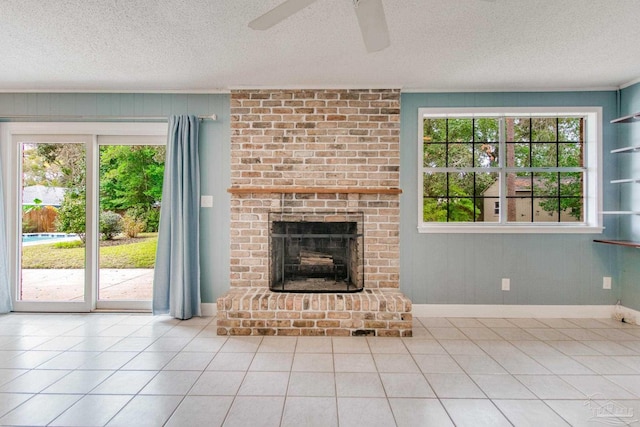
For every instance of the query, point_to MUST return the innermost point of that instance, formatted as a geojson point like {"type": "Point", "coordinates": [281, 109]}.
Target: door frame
{"type": "Point", "coordinates": [12, 134]}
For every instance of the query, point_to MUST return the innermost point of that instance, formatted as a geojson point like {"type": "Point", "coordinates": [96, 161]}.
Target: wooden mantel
{"type": "Point", "coordinates": [313, 190]}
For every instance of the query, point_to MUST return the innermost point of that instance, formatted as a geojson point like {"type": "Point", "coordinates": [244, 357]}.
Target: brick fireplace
{"type": "Point", "coordinates": [314, 156]}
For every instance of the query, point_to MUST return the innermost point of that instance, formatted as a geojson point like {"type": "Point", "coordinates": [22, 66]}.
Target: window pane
{"type": "Point", "coordinates": [544, 155]}
{"type": "Point", "coordinates": [570, 155]}
{"type": "Point", "coordinates": [460, 156]}
{"type": "Point", "coordinates": [543, 129]}
{"type": "Point", "coordinates": [460, 130]}
{"type": "Point", "coordinates": [545, 210]}
{"type": "Point", "coordinates": [434, 209]}
{"type": "Point", "coordinates": [487, 184]}
{"type": "Point", "coordinates": [435, 130]}
{"type": "Point", "coordinates": [461, 184]}
{"type": "Point", "coordinates": [434, 155]}
{"type": "Point", "coordinates": [487, 130]}
{"type": "Point", "coordinates": [519, 209]}
{"type": "Point", "coordinates": [490, 210]}
{"type": "Point", "coordinates": [545, 184]}
{"type": "Point", "coordinates": [462, 210]}
{"type": "Point", "coordinates": [571, 209]}
{"type": "Point", "coordinates": [571, 184]}
{"type": "Point", "coordinates": [518, 155]}
{"type": "Point", "coordinates": [435, 184]}
{"type": "Point", "coordinates": [486, 155]}
{"type": "Point", "coordinates": [517, 129]}
{"type": "Point", "coordinates": [570, 129]}
{"type": "Point", "coordinates": [519, 184]}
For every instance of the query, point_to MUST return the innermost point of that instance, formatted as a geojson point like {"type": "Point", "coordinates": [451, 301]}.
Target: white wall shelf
{"type": "Point", "coordinates": [631, 118]}
{"type": "Point", "coordinates": [626, 180]}
{"type": "Point", "coordinates": [631, 149]}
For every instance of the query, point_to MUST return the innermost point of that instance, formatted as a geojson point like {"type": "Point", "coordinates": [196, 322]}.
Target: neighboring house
{"type": "Point", "coordinates": [48, 196]}
{"type": "Point", "coordinates": [523, 201]}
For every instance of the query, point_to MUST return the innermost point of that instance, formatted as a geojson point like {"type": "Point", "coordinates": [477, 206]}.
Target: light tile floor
{"type": "Point", "coordinates": [140, 370]}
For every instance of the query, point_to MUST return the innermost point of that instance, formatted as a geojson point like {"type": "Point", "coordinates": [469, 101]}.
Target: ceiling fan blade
{"type": "Point", "coordinates": [373, 24]}
{"type": "Point", "coordinates": [279, 13]}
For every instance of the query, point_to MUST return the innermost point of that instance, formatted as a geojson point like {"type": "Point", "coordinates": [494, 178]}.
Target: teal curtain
{"type": "Point", "coordinates": [176, 282]}
{"type": "Point", "coordinates": [5, 291]}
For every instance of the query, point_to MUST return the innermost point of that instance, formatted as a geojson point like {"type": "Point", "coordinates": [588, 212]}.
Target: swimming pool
{"type": "Point", "coordinates": [43, 237]}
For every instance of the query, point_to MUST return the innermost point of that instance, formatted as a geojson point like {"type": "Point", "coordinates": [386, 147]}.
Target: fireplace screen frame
{"type": "Point", "coordinates": [284, 273]}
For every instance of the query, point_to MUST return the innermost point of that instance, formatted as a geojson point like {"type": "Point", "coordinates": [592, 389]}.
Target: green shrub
{"type": "Point", "coordinates": [153, 220]}
{"type": "Point", "coordinates": [110, 224]}
{"type": "Point", "coordinates": [133, 226]}
{"type": "Point", "coordinates": [148, 215]}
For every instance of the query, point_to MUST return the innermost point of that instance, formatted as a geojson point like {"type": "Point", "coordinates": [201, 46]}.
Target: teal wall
{"type": "Point", "coordinates": [468, 268]}
{"type": "Point", "coordinates": [214, 156]}
{"type": "Point", "coordinates": [435, 268]}
{"type": "Point", "coordinates": [629, 167]}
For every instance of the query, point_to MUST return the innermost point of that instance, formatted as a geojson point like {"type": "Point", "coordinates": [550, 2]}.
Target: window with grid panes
{"type": "Point", "coordinates": [513, 169]}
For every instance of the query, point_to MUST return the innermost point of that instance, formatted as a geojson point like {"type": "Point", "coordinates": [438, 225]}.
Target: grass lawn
{"type": "Point", "coordinates": [118, 253]}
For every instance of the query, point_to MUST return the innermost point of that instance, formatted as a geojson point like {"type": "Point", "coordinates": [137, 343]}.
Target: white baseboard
{"type": "Point", "coordinates": [501, 311]}
{"type": "Point", "coordinates": [514, 311]}
{"type": "Point", "coordinates": [208, 309]}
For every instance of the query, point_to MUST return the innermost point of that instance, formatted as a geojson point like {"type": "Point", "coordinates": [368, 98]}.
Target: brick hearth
{"type": "Point", "coordinates": [258, 311]}
{"type": "Point", "coordinates": [321, 150]}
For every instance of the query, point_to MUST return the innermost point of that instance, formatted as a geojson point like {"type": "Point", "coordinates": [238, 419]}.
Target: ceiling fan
{"type": "Point", "coordinates": [370, 14]}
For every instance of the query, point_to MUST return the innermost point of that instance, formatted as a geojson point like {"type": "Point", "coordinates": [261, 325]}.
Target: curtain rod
{"type": "Point", "coordinates": [50, 118]}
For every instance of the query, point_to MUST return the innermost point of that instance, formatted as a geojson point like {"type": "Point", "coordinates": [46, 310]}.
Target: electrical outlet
{"type": "Point", "coordinates": [606, 282]}
{"type": "Point", "coordinates": [506, 284]}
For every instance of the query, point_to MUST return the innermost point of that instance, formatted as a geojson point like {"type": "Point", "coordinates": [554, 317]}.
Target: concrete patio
{"type": "Point", "coordinates": [68, 284]}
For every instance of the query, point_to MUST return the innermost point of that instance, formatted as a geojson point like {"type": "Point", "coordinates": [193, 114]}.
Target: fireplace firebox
{"type": "Point", "coordinates": [316, 252]}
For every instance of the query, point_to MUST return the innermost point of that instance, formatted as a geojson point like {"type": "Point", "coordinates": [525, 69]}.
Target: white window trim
{"type": "Point", "coordinates": [593, 188]}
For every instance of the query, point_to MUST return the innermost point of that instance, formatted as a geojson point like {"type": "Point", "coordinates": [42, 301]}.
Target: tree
{"type": "Point", "coordinates": [66, 164]}
{"type": "Point", "coordinates": [72, 214]}
{"type": "Point", "coordinates": [458, 143]}
{"type": "Point", "coordinates": [131, 180]}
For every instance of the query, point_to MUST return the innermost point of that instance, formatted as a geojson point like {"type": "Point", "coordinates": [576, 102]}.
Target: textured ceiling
{"type": "Point", "coordinates": [205, 45]}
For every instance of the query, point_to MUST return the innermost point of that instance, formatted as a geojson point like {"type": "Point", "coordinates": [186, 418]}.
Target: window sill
{"type": "Point", "coordinates": [509, 229]}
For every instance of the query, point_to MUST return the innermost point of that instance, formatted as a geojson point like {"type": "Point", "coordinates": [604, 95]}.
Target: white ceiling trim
{"type": "Point", "coordinates": [320, 87]}
{"type": "Point", "coordinates": [631, 83]}
{"type": "Point", "coordinates": [128, 91]}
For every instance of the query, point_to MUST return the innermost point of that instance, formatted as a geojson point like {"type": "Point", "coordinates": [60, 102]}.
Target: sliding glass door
{"type": "Point", "coordinates": [85, 215]}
